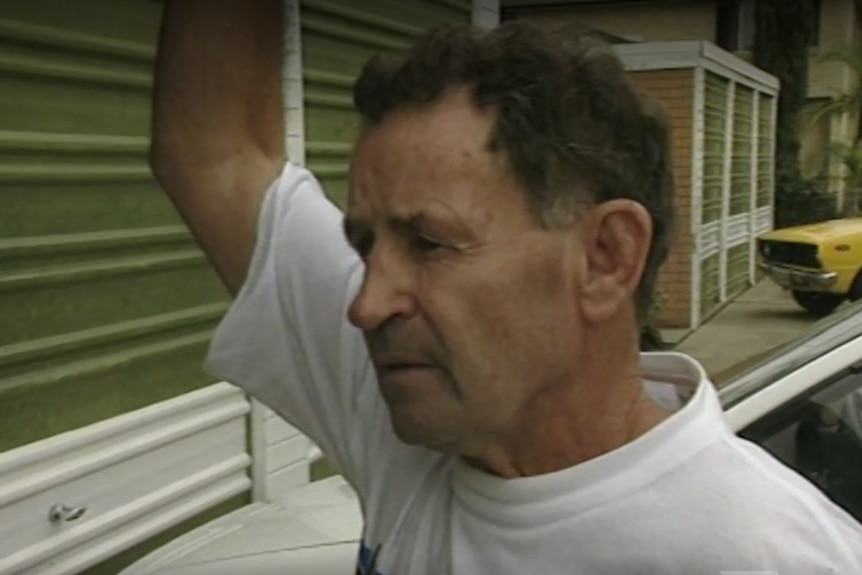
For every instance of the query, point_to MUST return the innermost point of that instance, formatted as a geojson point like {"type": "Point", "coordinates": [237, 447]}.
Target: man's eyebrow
{"type": "Point", "coordinates": [412, 222]}
{"type": "Point", "coordinates": [440, 221]}
{"type": "Point", "coordinates": [416, 219]}
{"type": "Point", "coordinates": [358, 234]}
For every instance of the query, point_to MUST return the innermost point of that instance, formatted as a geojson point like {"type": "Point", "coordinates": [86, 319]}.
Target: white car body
{"type": "Point", "coordinates": [317, 530]}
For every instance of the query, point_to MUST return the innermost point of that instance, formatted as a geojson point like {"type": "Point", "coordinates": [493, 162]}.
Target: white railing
{"type": "Point", "coordinates": [74, 500]}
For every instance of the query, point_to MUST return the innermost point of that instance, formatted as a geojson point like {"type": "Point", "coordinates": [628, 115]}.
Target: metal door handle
{"type": "Point", "coordinates": [62, 512]}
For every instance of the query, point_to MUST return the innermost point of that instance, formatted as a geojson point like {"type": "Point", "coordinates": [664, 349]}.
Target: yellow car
{"type": "Point", "coordinates": [819, 263]}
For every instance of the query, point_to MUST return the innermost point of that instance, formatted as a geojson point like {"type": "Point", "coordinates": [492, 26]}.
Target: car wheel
{"type": "Point", "coordinates": [817, 303]}
{"type": "Point", "coordinates": [856, 289]}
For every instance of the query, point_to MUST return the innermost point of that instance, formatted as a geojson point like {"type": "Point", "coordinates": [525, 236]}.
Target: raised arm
{"type": "Point", "coordinates": [218, 123]}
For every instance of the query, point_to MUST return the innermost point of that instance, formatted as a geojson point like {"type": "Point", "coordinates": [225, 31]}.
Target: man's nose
{"type": "Point", "coordinates": [385, 294]}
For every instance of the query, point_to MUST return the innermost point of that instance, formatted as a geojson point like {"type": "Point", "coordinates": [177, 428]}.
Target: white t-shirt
{"type": "Point", "coordinates": [687, 498]}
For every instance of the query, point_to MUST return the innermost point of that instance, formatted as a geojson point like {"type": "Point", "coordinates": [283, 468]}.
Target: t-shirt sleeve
{"type": "Point", "coordinates": [285, 339]}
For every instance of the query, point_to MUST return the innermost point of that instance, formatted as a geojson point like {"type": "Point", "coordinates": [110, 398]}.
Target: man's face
{"type": "Point", "coordinates": [468, 306]}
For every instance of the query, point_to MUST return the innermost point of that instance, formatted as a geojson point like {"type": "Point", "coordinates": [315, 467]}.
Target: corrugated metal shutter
{"type": "Point", "coordinates": [710, 296]}
{"type": "Point", "coordinates": [738, 265]}
{"type": "Point", "coordinates": [765, 146]}
{"type": "Point", "coordinates": [337, 39]}
{"type": "Point", "coordinates": [765, 165]}
{"type": "Point", "coordinates": [106, 305]}
{"type": "Point", "coordinates": [738, 246]}
{"type": "Point", "coordinates": [714, 141]}
{"type": "Point", "coordinates": [740, 184]}
{"type": "Point", "coordinates": [715, 108]}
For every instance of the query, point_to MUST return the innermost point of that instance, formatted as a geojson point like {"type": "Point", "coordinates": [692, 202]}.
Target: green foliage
{"type": "Point", "coordinates": [848, 155]}
{"type": "Point", "coordinates": [851, 57]}
{"type": "Point", "coordinates": [851, 158]}
{"type": "Point", "coordinates": [650, 339]}
{"type": "Point", "coordinates": [807, 207]}
{"type": "Point", "coordinates": [650, 335]}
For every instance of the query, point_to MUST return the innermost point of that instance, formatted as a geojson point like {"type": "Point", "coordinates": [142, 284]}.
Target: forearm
{"type": "Point", "coordinates": [218, 122]}
{"type": "Point", "coordinates": [218, 78]}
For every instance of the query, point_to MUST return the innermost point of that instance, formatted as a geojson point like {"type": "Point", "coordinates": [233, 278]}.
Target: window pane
{"type": "Point", "coordinates": [820, 435]}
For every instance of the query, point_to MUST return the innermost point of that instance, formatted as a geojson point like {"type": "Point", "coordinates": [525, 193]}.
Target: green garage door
{"type": "Point", "coordinates": [765, 158]}
{"type": "Point", "coordinates": [105, 303]}
{"type": "Point", "coordinates": [739, 254]}
{"type": "Point", "coordinates": [715, 111]}
{"type": "Point", "coordinates": [765, 150]}
{"type": "Point", "coordinates": [337, 39]}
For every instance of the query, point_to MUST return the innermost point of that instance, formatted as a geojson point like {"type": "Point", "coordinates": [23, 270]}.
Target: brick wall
{"type": "Point", "coordinates": [673, 90]}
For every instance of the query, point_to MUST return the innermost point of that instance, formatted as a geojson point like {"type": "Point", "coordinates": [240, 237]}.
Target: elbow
{"type": "Point", "coordinates": [167, 163]}
{"type": "Point", "coordinates": [180, 167]}
{"type": "Point", "coordinates": [156, 158]}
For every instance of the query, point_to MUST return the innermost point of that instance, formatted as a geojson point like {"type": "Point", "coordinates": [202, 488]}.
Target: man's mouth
{"type": "Point", "coordinates": [401, 366]}
{"type": "Point", "coordinates": [395, 368]}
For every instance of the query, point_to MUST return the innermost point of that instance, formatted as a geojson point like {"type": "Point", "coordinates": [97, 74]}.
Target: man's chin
{"type": "Point", "coordinates": [406, 385]}
{"type": "Point", "coordinates": [421, 433]}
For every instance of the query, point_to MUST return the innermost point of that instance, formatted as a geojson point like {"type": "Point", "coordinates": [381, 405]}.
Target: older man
{"type": "Point", "coordinates": [463, 341]}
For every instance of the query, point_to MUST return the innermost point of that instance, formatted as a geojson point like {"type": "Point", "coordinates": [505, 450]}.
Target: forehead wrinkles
{"type": "Point", "coordinates": [451, 125]}
{"type": "Point", "coordinates": [430, 140]}
{"type": "Point", "coordinates": [432, 153]}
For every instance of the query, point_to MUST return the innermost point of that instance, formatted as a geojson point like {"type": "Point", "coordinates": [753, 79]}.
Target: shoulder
{"type": "Point", "coordinates": [767, 509]}
{"type": "Point", "coordinates": [728, 509]}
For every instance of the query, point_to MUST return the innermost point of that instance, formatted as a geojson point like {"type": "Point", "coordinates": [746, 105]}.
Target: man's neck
{"type": "Point", "coordinates": [605, 408]}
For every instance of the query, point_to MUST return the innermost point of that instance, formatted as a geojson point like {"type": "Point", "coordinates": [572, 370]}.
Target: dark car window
{"type": "Point", "coordinates": [820, 435]}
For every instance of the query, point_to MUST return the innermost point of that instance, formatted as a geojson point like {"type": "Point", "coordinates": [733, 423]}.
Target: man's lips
{"type": "Point", "coordinates": [395, 379]}
{"type": "Point", "coordinates": [397, 367]}
{"type": "Point", "coordinates": [394, 367]}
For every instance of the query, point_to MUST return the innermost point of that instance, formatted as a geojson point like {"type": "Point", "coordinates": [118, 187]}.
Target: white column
{"type": "Point", "coordinates": [293, 85]}
{"type": "Point", "coordinates": [726, 189]}
{"type": "Point", "coordinates": [698, 147]}
{"type": "Point", "coordinates": [755, 177]}
{"type": "Point", "coordinates": [486, 13]}
{"type": "Point", "coordinates": [773, 145]}
{"type": "Point", "coordinates": [294, 112]}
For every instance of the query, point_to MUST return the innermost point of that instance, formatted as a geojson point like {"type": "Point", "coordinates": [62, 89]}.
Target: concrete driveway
{"type": "Point", "coordinates": [757, 321]}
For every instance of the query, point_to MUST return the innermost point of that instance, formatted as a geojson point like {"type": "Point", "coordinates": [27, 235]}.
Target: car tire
{"type": "Point", "coordinates": [818, 303]}
{"type": "Point", "coordinates": [856, 289]}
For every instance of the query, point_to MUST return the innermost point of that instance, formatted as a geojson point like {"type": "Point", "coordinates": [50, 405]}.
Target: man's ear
{"type": "Point", "coordinates": [616, 243]}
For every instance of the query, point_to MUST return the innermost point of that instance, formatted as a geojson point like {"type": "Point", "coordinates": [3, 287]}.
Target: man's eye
{"type": "Point", "coordinates": [425, 245]}
{"type": "Point", "coordinates": [363, 247]}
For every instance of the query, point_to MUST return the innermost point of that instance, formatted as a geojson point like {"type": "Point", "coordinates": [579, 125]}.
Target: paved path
{"type": "Point", "coordinates": [756, 321]}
